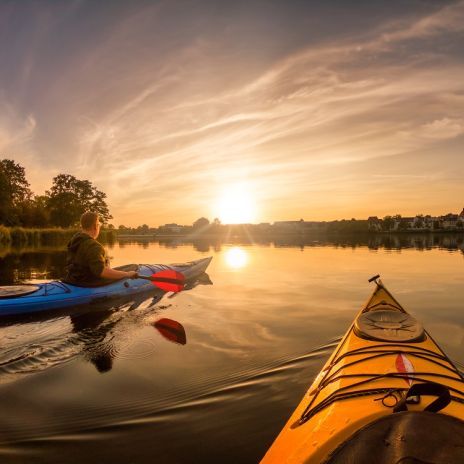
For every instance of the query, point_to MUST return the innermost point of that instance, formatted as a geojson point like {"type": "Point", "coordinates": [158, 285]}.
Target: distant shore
{"type": "Point", "coordinates": [292, 234]}
{"type": "Point", "coordinates": [24, 237]}
{"type": "Point", "coordinates": [204, 243]}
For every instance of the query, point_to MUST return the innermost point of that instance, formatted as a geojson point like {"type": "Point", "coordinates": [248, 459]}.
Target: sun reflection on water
{"type": "Point", "coordinates": [236, 258]}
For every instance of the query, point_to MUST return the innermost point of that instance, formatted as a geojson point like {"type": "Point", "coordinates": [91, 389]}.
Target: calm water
{"type": "Point", "coordinates": [109, 387]}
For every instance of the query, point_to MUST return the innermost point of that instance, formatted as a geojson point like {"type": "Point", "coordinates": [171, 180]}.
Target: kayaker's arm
{"type": "Point", "coordinates": [114, 274]}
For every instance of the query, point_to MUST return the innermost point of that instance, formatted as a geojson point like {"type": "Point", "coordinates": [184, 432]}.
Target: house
{"type": "Point", "coordinates": [449, 221]}
{"type": "Point", "coordinates": [262, 228]}
{"type": "Point", "coordinates": [428, 222]}
{"type": "Point", "coordinates": [172, 228]}
{"type": "Point", "coordinates": [374, 224]}
{"type": "Point", "coordinates": [312, 225]}
{"type": "Point", "coordinates": [403, 223]}
{"type": "Point", "coordinates": [422, 222]}
{"type": "Point", "coordinates": [288, 226]}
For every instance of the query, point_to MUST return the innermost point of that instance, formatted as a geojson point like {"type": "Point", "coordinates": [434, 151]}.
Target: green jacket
{"type": "Point", "coordinates": [85, 261]}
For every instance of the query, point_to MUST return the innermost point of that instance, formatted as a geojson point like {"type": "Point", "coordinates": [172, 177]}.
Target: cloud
{"type": "Point", "coordinates": [153, 121]}
{"type": "Point", "coordinates": [449, 19]}
{"type": "Point", "coordinates": [309, 111]}
{"type": "Point", "coordinates": [15, 130]}
{"type": "Point", "coordinates": [443, 128]}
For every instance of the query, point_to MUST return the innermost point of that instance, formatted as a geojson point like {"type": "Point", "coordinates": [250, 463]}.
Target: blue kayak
{"type": "Point", "coordinates": [32, 298]}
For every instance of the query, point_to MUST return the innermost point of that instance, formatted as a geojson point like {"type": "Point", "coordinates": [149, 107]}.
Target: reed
{"type": "Point", "coordinates": [22, 237]}
{"type": "Point", "coordinates": [5, 236]}
{"type": "Point", "coordinates": [19, 236]}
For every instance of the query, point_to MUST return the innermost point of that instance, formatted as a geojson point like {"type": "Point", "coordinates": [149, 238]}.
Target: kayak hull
{"type": "Point", "coordinates": [58, 295]}
{"type": "Point", "coordinates": [364, 380]}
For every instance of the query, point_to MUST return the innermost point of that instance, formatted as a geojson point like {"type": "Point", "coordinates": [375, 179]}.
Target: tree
{"type": "Point", "coordinates": [14, 190]}
{"type": "Point", "coordinates": [403, 225]}
{"type": "Point", "coordinates": [70, 197]}
{"type": "Point", "coordinates": [215, 227]}
{"type": "Point", "coordinates": [34, 213]}
{"type": "Point", "coordinates": [201, 223]}
{"type": "Point", "coordinates": [399, 223]}
{"type": "Point", "coordinates": [388, 223]}
{"type": "Point", "coordinates": [143, 229]}
{"type": "Point", "coordinates": [18, 186]}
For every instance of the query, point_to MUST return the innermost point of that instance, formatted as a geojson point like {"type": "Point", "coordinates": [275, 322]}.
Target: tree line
{"type": "Point", "coordinates": [61, 206]}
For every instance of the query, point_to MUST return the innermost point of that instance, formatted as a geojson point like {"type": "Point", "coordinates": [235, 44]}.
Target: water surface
{"type": "Point", "coordinates": [108, 386]}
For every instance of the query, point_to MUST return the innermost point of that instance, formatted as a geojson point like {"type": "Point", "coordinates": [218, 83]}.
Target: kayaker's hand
{"type": "Point", "coordinates": [133, 274]}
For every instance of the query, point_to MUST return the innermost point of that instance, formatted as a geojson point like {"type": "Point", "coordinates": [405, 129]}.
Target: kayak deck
{"type": "Point", "coordinates": [382, 355]}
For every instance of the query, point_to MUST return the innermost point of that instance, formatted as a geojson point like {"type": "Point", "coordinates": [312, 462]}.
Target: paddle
{"type": "Point", "coordinates": [171, 330]}
{"type": "Point", "coordinates": [167, 280]}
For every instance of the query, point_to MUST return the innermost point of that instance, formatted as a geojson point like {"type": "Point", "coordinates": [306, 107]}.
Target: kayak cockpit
{"type": "Point", "coordinates": [389, 326]}
{"type": "Point", "coordinates": [13, 291]}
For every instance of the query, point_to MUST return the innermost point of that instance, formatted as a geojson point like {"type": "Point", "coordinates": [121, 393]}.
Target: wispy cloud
{"type": "Point", "coordinates": [178, 119]}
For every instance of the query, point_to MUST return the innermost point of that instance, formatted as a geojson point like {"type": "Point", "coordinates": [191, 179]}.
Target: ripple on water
{"type": "Point", "coordinates": [174, 406]}
{"type": "Point", "coordinates": [30, 347]}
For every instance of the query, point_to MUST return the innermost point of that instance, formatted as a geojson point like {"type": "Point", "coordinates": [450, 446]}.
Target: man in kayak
{"type": "Point", "coordinates": [87, 263]}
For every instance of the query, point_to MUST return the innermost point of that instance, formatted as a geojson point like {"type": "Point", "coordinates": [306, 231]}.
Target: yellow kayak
{"type": "Point", "coordinates": [388, 394]}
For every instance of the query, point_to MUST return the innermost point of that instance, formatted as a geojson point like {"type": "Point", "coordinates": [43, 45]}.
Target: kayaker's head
{"type": "Point", "coordinates": [90, 224]}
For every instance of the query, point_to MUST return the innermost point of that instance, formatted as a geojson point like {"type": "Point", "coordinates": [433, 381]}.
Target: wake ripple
{"type": "Point", "coordinates": [150, 408]}
{"type": "Point", "coordinates": [29, 348]}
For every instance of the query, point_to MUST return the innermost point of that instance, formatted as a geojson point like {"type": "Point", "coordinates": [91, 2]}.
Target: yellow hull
{"type": "Point", "coordinates": [366, 376]}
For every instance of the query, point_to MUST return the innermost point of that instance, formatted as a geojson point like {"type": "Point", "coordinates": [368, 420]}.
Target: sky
{"type": "Point", "coordinates": [249, 111]}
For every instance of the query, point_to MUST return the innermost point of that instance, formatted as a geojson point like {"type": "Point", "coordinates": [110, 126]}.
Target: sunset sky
{"type": "Point", "coordinates": [250, 111]}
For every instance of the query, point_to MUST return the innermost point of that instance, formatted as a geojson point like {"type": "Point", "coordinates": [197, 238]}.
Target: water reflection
{"type": "Point", "coordinates": [171, 330]}
{"type": "Point", "coordinates": [255, 342]}
{"type": "Point", "coordinates": [20, 265]}
{"type": "Point", "coordinates": [96, 333]}
{"type": "Point", "coordinates": [236, 258]}
{"type": "Point", "coordinates": [419, 241]}
{"type": "Point", "coordinates": [97, 336]}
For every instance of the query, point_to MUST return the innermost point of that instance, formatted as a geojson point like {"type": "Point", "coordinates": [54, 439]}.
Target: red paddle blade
{"type": "Point", "coordinates": [171, 330]}
{"type": "Point", "coordinates": [169, 280]}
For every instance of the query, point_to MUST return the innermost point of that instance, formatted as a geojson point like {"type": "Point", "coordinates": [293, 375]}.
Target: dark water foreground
{"type": "Point", "coordinates": [218, 382]}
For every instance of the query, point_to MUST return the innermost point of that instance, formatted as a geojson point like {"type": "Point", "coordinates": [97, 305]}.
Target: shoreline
{"type": "Point", "coordinates": [291, 234]}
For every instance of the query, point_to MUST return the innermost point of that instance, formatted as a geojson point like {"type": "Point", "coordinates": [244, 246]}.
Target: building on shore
{"type": "Point", "coordinates": [420, 222]}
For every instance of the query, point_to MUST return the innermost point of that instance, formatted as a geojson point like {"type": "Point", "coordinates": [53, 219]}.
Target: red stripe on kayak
{"type": "Point", "coordinates": [404, 366]}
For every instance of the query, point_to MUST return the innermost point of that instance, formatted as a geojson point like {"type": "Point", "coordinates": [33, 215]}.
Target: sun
{"type": "Point", "coordinates": [235, 205]}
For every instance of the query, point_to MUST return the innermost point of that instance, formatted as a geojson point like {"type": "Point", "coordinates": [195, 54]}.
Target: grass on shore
{"type": "Point", "coordinates": [20, 236]}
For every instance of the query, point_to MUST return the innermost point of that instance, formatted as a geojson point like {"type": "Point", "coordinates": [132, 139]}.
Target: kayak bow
{"type": "Point", "coordinates": [387, 394]}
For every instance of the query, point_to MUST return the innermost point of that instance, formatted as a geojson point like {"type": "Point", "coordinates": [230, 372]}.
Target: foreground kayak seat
{"type": "Point", "coordinates": [387, 374]}
{"type": "Point", "coordinates": [405, 437]}
{"type": "Point", "coordinates": [58, 295]}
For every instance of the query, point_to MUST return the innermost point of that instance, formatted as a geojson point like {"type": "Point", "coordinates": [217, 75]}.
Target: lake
{"type": "Point", "coordinates": [112, 387]}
